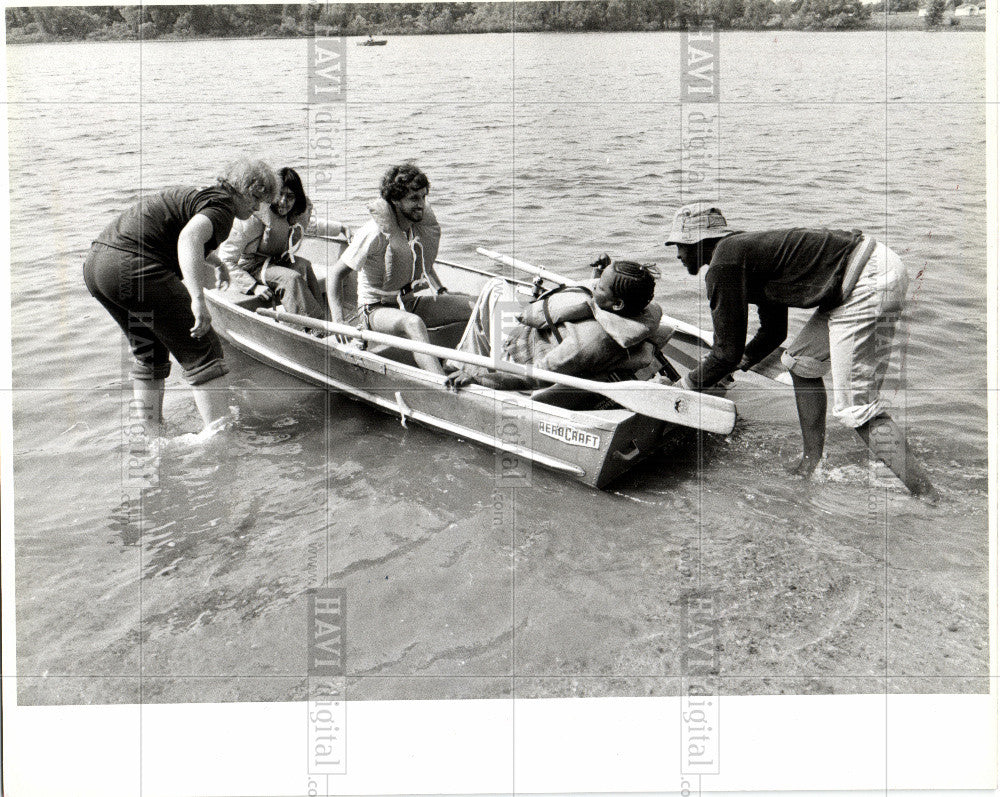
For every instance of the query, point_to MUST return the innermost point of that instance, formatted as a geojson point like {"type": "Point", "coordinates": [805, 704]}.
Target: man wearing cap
{"type": "Point", "coordinates": [858, 287]}
{"type": "Point", "coordinates": [393, 255]}
{"type": "Point", "coordinates": [586, 330]}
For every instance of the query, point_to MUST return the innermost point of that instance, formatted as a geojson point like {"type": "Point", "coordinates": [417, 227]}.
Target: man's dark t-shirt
{"type": "Point", "coordinates": [150, 228]}
{"type": "Point", "coordinates": [774, 270]}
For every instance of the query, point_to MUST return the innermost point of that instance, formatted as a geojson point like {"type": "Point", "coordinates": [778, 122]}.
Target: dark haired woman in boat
{"type": "Point", "coordinates": [260, 251]}
{"type": "Point", "coordinates": [147, 268]}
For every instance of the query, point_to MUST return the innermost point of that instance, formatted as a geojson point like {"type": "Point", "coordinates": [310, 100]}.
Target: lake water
{"type": "Point", "coordinates": [558, 147]}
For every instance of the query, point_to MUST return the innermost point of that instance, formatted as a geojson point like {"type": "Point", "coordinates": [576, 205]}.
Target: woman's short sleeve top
{"type": "Point", "coordinates": [151, 228]}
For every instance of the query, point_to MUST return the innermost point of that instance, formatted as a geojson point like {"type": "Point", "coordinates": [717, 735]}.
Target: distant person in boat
{"type": "Point", "coordinates": [260, 251]}
{"type": "Point", "coordinates": [588, 330]}
{"type": "Point", "coordinates": [147, 269]}
{"type": "Point", "coordinates": [858, 287]}
{"type": "Point", "coordinates": [393, 253]}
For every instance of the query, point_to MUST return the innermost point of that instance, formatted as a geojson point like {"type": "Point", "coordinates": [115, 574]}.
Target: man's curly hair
{"type": "Point", "coordinates": [399, 180]}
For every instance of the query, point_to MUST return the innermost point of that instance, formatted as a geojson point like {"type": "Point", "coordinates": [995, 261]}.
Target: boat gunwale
{"type": "Point", "coordinates": [605, 420]}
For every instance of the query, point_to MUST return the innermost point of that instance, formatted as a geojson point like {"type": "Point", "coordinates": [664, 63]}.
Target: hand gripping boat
{"type": "Point", "coordinates": [591, 431]}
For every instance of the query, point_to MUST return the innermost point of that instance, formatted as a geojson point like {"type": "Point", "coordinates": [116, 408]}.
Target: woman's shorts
{"type": "Point", "coordinates": [154, 312]}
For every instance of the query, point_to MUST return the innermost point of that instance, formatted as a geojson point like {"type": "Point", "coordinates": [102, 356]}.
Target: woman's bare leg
{"type": "Point", "coordinates": [212, 400]}
{"type": "Point", "coordinates": [147, 404]}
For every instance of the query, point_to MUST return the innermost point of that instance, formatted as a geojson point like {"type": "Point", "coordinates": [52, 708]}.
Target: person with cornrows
{"type": "Point", "coordinates": [590, 330]}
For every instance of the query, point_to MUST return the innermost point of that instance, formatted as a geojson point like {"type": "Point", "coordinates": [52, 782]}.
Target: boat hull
{"type": "Point", "coordinates": [560, 429]}
{"type": "Point", "coordinates": [593, 447]}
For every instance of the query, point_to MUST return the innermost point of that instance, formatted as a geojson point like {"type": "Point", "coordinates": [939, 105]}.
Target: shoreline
{"type": "Point", "coordinates": [903, 21]}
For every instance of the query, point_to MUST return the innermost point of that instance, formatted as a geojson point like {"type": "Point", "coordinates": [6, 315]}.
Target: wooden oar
{"type": "Point", "coordinates": [521, 265]}
{"type": "Point", "coordinates": [770, 367]}
{"type": "Point", "coordinates": [342, 239]}
{"type": "Point", "coordinates": [337, 239]}
{"type": "Point", "coordinates": [483, 272]}
{"type": "Point", "coordinates": [663, 402]}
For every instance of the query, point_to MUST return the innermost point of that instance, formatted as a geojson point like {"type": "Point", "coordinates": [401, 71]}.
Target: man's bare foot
{"type": "Point", "coordinates": [803, 466]}
{"type": "Point", "coordinates": [925, 491]}
{"type": "Point", "coordinates": [931, 498]}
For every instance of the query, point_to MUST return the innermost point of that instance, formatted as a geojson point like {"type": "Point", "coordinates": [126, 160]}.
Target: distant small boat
{"type": "Point", "coordinates": [370, 42]}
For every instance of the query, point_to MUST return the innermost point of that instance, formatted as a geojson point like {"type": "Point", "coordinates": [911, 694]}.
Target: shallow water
{"type": "Point", "coordinates": [191, 564]}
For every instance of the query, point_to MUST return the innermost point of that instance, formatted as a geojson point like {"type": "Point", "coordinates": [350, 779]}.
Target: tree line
{"type": "Point", "coordinates": [70, 23]}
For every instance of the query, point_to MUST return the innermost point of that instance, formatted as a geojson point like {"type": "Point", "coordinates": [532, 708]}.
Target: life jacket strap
{"type": "Point", "coordinates": [544, 299]}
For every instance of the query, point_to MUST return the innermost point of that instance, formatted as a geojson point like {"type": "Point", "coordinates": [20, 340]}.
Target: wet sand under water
{"type": "Point", "coordinates": [457, 590]}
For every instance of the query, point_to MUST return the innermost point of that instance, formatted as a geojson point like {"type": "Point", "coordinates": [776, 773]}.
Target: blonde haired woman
{"type": "Point", "coordinates": [146, 269]}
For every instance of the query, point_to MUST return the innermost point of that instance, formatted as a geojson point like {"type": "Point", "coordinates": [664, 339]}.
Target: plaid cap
{"type": "Point", "coordinates": [696, 222]}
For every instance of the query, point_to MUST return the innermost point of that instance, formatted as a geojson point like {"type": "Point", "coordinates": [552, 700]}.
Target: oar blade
{"type": "Point", "coordinates": [682, 407]}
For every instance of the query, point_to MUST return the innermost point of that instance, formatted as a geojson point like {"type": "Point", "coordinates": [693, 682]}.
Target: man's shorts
{"type": "Point", "coordinates": [854, 340]}
{"type": "Point", "coordinates": [154, 312]}
{"type": "Point", "coordinates": [434, 311]}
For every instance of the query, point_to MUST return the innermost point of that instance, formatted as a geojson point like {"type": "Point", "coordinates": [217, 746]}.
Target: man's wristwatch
{"type": "Point", "coordinates": [441, 290]}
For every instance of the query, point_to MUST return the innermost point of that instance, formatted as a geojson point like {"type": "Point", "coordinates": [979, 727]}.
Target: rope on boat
{"type": "Point", "coordinates": [404, 410]}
